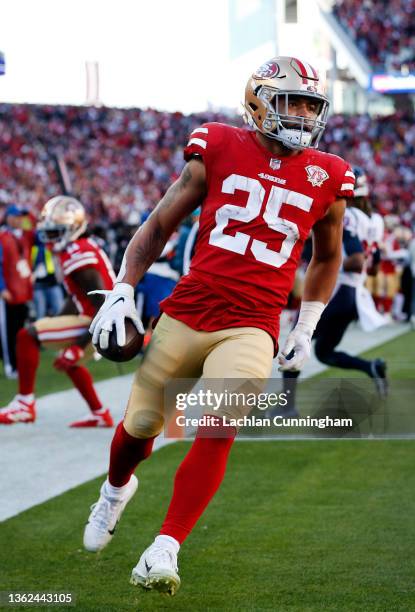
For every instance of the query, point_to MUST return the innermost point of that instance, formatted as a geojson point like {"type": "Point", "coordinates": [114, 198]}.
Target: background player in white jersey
{"type": "Point", "coordinates": [350, 302]}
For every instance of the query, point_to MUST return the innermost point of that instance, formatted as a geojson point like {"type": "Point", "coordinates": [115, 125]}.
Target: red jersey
{"type": "Point", "coordinates": [84, 253]}
{"type": "Point", "coordinates": [15, 262]}
{"type": "Point", "coordinates": [258, 211]}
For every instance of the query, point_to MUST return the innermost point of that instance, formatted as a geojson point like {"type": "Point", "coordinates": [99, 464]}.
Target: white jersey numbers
{"type": "Point", "coordinates": [239, 242]}
{"type": "Point", "coordinates": [277, 197]}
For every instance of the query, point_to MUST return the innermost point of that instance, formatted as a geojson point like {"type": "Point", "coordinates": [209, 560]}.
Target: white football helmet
{"type": "Point", "coordinates": [266, 102]}
{"type": "Point", "coordinates": [62, 220]}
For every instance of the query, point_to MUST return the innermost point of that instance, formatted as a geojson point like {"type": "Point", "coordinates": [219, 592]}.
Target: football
{"type": "Point", "coordinates": [133, 344]}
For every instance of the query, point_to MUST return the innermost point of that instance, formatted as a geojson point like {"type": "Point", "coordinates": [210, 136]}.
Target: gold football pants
{"type": "Point", "coordinates": [177, 351]}
{"type": "Point", "coordinates": [60, 332]}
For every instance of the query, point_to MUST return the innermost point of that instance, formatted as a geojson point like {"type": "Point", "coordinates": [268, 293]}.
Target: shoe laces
{"type": "Point", "coordinates": [163, 556]}
{"type": "Point", "coordinates": [15, 407]}
{"type": "Point", "coordinates": [104, 513]}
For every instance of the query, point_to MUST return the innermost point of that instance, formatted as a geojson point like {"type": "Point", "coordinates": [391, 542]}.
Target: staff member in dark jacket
{"type": "Point", "coordinates": [16, 288]}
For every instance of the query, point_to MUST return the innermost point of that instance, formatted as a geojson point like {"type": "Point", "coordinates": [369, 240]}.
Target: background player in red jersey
{"type": "Point", "coordinates": [16, 286]}
{"type": "Point", "coordinates": [261, 192]}
{"type": "Point", "coordinates": [83, 266]}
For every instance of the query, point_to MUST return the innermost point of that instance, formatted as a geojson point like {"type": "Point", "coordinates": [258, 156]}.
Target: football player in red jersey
{"type": "Point", "coordinates": [261, 192]}
{"type": "Point", "coordinates": [84, 266]}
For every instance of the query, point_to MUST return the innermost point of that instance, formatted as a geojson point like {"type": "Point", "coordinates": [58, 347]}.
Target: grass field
{"type": "Point", "coordinates": [296, 526]}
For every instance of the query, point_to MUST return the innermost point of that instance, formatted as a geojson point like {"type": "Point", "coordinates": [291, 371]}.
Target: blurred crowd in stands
{"type": "Point", "coordinates": [385, 148]}
{"type": "Point", "coordinates": [384, 31]}
{"type": "Point", "coordinates": [121, 161]}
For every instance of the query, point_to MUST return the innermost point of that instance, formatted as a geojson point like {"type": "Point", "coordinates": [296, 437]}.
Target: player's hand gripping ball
{"type": "Point", "coordinates": [133, 344]}
{"type": "Point", "coordinates": [117, 331]}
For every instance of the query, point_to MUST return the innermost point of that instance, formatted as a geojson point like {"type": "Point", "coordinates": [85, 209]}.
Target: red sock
{"type": "Point", "coordinates": [82, 380]}
{"type": "Point", "coordinates": [197, 480]}
{"type": "Point", "coordinates": [387, 304]}
{"type": "Point", "coordinates": [126, 453]}
{"type": "Point", "coordinates": [27, 354]}
{"type": "Point", "coordinates": [378, 302]}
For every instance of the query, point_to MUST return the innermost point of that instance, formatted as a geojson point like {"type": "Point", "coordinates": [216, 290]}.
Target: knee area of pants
{"type": "Point", "coordinates": [324, 356]}
{"type": "Point", "coordinates": [320, 351]}
{"type": "Point", "coordinates": [145, 425]}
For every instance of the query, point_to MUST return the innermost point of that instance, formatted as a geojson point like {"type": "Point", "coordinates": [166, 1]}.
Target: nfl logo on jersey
{"type": "Point", "coordinates": [275, 164]}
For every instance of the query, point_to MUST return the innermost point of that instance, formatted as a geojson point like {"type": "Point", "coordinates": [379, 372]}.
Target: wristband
{"type": "Point", "coordinates": [124, 289]}
{"type": "Point", "coordinates": [310, 313]}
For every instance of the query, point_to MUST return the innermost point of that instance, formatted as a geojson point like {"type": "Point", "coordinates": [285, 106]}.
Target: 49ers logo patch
{"type": "Point", "coordinates": [267, 71]}
{"type": "Point", "coordinates": [316, 175]}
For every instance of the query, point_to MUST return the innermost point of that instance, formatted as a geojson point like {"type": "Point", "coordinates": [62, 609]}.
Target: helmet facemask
{"type": "Point", "coordinates": [58, 235]}
{"type": "Point", "coordinates": [294, 131]}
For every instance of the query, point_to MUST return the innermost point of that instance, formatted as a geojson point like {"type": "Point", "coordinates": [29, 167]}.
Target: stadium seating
{"type": "Point", "coordinates": [383, 30]}
{"type": "Point", "coordinates": [121, 161]}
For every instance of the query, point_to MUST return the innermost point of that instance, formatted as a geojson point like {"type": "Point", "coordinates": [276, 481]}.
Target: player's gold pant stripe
{"type": "Point", "coordinates": [177, 351]}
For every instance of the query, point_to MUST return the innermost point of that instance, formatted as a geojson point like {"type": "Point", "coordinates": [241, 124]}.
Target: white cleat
{"type": "Point", "coordinates": [157, 569]}
{"type": "Point", "coordinates": [104, 517]}
{"type": "Point", "coordinates": [18, 411]}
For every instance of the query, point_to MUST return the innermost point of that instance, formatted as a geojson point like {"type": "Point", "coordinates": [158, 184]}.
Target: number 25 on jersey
{"type": "Point", "coordinates": [277, 197]}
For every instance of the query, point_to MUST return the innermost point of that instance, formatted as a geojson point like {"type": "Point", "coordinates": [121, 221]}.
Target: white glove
{"type": "Point", "coordinates": [298, 343]}
{"type": "Point", "coordinates": [119, 305]}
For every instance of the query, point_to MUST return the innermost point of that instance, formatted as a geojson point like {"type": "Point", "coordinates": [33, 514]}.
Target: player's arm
{"type": "Point", "coordinates": [324, 266]}
{"type": "Point", "coordinates": [319, 283]}
{"type": "Point", "coordinates": [355, 257]}
{"type": "Point", "coordinates": [68, 307]}
{"type": "Point", "coordinates": [85, 278]}
{"type": "Point", "coordinates": [184, 196]}
{"type": "Point", "coordinates": [374, 262]}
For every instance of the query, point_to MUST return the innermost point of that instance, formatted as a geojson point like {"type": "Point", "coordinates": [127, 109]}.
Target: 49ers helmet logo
{"type": "Point", "coordinates": [267, 71]}
{"type": "Point", "coordinates": [316, 175]}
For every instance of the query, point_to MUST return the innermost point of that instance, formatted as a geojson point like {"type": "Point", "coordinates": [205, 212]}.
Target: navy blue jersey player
{"type": "Point", "coordinates": [345, 306]}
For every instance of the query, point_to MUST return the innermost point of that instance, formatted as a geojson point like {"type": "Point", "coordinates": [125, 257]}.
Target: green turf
{"type": "Point", "coordinates": [399, 354]}
{"type": "Point", "coordinates": [296, 526]}
{"type": "Point", "coordinates": [49, 380]}
{"type": "Point", "coordinates": [392, 416]}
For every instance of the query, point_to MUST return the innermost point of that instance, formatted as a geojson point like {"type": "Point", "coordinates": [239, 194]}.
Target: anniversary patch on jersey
{"type": "Point", "coordinates": [316, 175]}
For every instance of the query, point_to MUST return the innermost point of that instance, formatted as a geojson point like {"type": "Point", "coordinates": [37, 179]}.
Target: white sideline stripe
{"type": "Point", "coordinates": [200, 129]}
{"type": "Point", "coordinates": [198, 141]}
{"type": "Point", "coordinates": [45, 451]}
{"type": "Point", "coordinates": [50, 458]}
{"type": "Point", "coordinates": [347, 186]}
